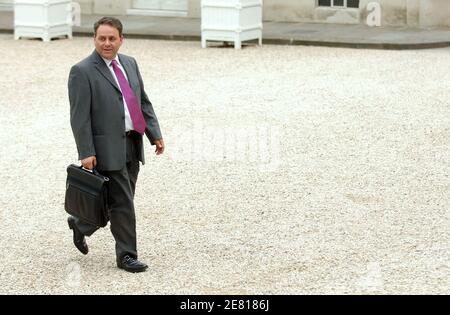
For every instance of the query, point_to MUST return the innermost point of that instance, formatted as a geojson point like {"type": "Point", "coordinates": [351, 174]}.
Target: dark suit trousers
{"type": "Point", "coordinates": [122, 185]}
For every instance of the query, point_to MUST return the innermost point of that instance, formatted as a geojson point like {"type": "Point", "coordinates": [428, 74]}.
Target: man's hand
{"type": "Point", "coordinates": [89, 162]}
{"type": "Point", "coordinates": [159, 146]}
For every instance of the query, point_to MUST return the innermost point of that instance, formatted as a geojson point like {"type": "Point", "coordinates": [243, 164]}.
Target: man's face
{"type": "Point", "coordinates": [107, 41]}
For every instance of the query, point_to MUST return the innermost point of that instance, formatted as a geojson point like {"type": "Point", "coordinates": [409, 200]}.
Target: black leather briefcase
{"type": "Point", "coordinates": [87, 195]}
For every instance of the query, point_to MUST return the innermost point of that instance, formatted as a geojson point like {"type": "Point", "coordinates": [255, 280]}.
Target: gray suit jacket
{"type": "Point", "coordinates": [97, 114]}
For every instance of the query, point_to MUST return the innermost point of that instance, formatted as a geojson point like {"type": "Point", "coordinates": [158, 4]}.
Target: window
{"type": "Point", "coordinates": [339, 3]}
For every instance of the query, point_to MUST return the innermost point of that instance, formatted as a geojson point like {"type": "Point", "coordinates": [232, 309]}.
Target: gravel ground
{"type": "Point", "coordinates": [289, 170]}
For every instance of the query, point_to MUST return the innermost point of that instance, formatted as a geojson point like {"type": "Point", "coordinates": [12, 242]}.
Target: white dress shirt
{"type": "Point", "coordinates": [128, 121]}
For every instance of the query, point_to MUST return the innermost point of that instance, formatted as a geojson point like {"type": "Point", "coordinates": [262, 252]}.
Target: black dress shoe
{"type": "Point", "coordinates": [131, 264]}
{"type": "Point", "coordinates": [78, 237]}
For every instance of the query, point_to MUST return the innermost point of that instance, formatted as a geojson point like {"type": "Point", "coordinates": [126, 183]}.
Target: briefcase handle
{"type": "Point", "coordinates": [95, 172]}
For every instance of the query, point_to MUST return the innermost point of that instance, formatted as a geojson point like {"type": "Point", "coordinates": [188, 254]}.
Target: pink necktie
{"type": "Point", "coordinates": [133, 106]}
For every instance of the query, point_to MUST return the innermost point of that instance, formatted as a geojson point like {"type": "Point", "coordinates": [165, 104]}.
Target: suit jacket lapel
{"type": "Point", "coordinates": [129, 71]}
{"type": "Point", "coordinates": [101, 66]}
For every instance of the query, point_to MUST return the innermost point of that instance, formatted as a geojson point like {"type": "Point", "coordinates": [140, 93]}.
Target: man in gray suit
{"type": "Point", "coordinates": [109, 113]}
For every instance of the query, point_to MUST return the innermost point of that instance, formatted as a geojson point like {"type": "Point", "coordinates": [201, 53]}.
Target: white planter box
{"type": "Point", "coordinates": [42, 19]}
{"type": "Point", "coordinates": [231, 20]}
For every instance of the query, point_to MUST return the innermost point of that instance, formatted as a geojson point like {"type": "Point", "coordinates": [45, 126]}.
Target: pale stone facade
{"type": "Point", "coordinates": [422, 13]}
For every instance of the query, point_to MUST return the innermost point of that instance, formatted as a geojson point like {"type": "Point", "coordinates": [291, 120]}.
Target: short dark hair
{"type": "Point", "coordinates": [111, 21]}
